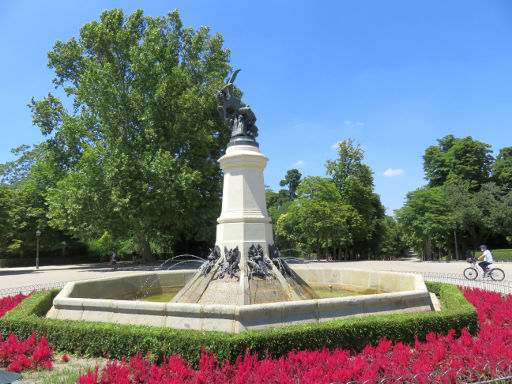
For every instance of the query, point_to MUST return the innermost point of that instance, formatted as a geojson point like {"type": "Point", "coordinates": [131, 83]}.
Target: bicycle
{"type": "Point", "coordinates": [471, 273]}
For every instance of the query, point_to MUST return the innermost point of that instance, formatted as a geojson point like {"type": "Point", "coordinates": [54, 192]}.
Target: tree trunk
{"type": "Point", "coordinates": [428, 250]}
{"type": "Point", "coordinates": [144, 249]}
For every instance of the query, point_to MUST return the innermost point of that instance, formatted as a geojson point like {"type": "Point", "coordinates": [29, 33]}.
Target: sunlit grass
{"type": "Point", "coordinates": [499, 254]}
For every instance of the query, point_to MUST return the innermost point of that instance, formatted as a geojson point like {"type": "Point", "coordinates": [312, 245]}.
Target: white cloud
{"type": "Point", "coordinates": [353, 124]}
{"type": "Point", "coordinates": [298, 163]}
{"type": "Point", "coordinates": [390, 172]}
{"type": "Point", "coordinates": [335, 145]}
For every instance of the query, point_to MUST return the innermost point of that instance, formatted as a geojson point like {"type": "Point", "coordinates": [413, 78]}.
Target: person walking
{"type": "Point", "coordinates": [487, 257]}
{"type": "Point", "coordinates": [113, 260]}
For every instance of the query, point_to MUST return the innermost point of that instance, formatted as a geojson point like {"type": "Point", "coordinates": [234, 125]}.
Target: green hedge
{"type": "Point", "coordinates": [98, 339]}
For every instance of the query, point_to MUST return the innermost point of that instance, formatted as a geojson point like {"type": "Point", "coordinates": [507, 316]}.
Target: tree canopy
{"type": "Point", "coordinates": [292, 180]}
{"type": "Point", "coordinates": [341, 214]}
{"type": "Point", "coordinates": [136, 153]}
{"type": "Point", "coordinates": [132, 138]}
{"type": "Point", "coordinates": [468, 191]}
{"type": "Point", "coordinates": [502, 168]}
{"type": "Point", "coordinates": [456, 160]}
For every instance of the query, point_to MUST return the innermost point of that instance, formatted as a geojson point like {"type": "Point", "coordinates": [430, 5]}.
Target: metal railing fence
{"type": "Point", "coordinates": [487, 284]}
{"type": "Point", "coordinates": [29, 288]}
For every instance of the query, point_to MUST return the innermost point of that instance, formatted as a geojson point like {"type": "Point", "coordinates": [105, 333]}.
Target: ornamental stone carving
{"type": "Point", "coordinates": [231, 265]}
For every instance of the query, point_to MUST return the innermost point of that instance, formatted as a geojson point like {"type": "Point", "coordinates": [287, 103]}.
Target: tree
{"type": "Point", "coordinates": [278, 204]}
{"type": "Point", "coordinates": [435, 163]}
{"type": "Point", "coordinates": [292, 180]}
{"type": "Point", "coordinates": [457, 160]}
{"type": "Point", "coordinates": [18, 170]}
{"type": "Point", "coordinates": [426, 219]}
{"type": "Point", "coordinates": [349, 166]}
{"type": "Point", "coordinates": [136, 154]}
{"type": "Point", "coordinates": [480, 215]}
{"type": "Point", "coordinates": [354, 181]}
{"type": "Point", "coordinates": [318, 218]}
{"type": "Point", "coordinates": [392, 243]}
{"type": "Point", "coordinates": [23, 195]}
{"type": "Point", "coordinates": [502, 168]}
{"type": "Point", "coordinates": [5, 218]}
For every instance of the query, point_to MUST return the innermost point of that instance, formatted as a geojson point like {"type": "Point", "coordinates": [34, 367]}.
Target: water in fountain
{"type": "Point", "coordinates": [169, 264]}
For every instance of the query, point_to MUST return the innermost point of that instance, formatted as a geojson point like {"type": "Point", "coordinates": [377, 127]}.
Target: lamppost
{"type": "Point", "coordinates": [38, 234]}
{"type": "Point", "coordinates": [454, 226]}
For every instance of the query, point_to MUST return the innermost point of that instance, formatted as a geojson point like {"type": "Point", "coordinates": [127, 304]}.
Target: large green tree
{"type": "Point", "coordinates": [5, 217]}
{"type": "Point", "coordinates": [457, 160]}
{"type": "Point", "coordinates": [481, 214]}
{"type": "Point", "coordinates": [318, 218]}
{"type": "Point", "coordinates": [354, 181]}
{"type": "Point", "coordinates": [502, 168]}
{"type": "Point", "coordinates": [426, 219]}
{"type": "Point", "coordinates": [392, 242]}
{"type": "Point", "coordinates": [24, 185]}
{"type": "Point", "coordinates": [348, 166]}
{"type": "Point", "coordinates": [135, 153]}
{"type": "Point", "coordinates": [292, 180]}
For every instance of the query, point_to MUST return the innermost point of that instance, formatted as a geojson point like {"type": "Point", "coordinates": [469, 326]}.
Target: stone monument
{"type": "Point", "coordinates": [244, 267]}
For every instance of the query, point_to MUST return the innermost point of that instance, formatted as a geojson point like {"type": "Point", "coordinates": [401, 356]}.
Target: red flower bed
{"type": "Point", "coordinates": [18, 355]}
{"type": "Point", "coordinates": [9, 302]}
{"type": "Point", "coordinates": [438, 353]}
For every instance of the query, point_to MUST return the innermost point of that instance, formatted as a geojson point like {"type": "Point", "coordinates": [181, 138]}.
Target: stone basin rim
{"type": "Point", "coordinates": [412, 296]}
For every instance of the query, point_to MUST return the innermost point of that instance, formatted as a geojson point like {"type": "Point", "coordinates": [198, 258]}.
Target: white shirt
{"type": "Point", "coordinates": [488, 256]}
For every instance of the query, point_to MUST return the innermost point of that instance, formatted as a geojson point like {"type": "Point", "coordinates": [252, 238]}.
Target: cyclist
{"type": "Point", "coordinates": [487, 257]}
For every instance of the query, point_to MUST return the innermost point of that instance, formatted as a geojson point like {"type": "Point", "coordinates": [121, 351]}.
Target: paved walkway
{"type": "Point", "coordinates": [414, 265]}
{"type": "Point", "coordinates": [11, 278]}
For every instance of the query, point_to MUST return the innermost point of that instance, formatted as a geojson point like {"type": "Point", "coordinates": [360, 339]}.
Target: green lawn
{"type": "Point", "coordinates": [499, 254]}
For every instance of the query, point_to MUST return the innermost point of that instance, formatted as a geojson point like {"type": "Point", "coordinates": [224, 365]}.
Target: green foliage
{"type": "Point", "coordinates": [426, 218]}
{"type": "Point", "coordinates": [457, 160]}
{"type": "Point", "coordinates": [317, 217]}
{"type": "Point", "coordinates": [459, 197]}
{"type": "Point", "coordinates": [355, 184]}
{"type": "Point", "coordinates": [292, 180]}
{"type": "Point", "coordinates": [98, 339]}
{"type": "Point", "coordinates": [392, 242]}
{"type": "Point", "coordinates": [135, 157]}
{"type": "Point", "coordinates": [481, 214]}
{"type": "Point", "coordinates": [502, 168]}
{"type": "Point", "coordinates": [5, 219]}
{"type": "Point", "coordinates": [340, 216]}
{"type": "Point", "coordinates": [349, 166]}
{"type": "Point", "coordinates": [23, 209]}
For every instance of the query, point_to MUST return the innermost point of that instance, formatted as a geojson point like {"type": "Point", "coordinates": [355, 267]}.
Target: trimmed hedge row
{"type": "Point", "coordinates": [100, 339]}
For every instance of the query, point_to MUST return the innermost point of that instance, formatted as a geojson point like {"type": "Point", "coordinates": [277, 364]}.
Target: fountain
{"type": "Point", "coordinates": [244, 283]}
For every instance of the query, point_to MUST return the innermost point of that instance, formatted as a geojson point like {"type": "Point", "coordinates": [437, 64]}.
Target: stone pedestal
{"type": "Point", "coordinates": [241, 270]}
{"type": "Point", "coordinates": [244, 220]}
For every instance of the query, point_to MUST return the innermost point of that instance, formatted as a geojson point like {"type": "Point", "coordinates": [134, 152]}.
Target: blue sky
{"type": "Point", "coordinates": [395, 76]}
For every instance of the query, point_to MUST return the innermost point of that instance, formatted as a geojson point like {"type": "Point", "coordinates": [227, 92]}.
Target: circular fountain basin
{"type": "Point", "coordinates": [100, 300]}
